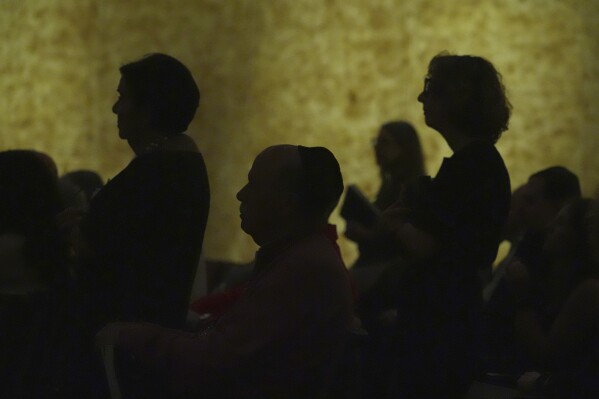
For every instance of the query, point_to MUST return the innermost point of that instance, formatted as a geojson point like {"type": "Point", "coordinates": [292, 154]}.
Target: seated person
{"type": "Point", "coordinates": [281, 332]}
{"type": "Point", "coordinates": [541, 198]}
{"type": "Point", "coordinates": [512, 234]}
{"type": "Point", "coordinates": [556, 324]}
{"type": "Point", "coordinates": [33, 278]}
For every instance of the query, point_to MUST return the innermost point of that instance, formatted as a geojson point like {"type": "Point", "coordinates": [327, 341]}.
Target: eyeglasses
{"type": "Point", "coordinates": [427, 85]}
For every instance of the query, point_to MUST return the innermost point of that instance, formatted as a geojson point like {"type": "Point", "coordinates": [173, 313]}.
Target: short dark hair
{"type": "Point", "coordinates": [164, 85]}
{"type": "Point", "coordinates": [321, 183]}
{"type": "Point", "coordinates": [475, 94]}
{"type": "Point", "coordinates": [559, 183]}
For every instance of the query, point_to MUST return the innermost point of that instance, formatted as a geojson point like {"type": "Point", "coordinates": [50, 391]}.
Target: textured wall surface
{"type": "Point", "coordinates": [310, 72]}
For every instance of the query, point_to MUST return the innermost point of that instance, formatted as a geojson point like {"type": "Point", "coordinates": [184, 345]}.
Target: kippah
{"type": "Point", "coordinates": [322, 180]}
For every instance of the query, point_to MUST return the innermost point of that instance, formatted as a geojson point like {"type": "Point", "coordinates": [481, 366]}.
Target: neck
{"type": "Point", "coordinates": [295, 230]}
{"type": "Point", "coordinates": [457, 140]}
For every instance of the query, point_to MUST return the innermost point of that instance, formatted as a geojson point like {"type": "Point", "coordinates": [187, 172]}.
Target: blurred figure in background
{"type": "Point", "coordinates": [400, 160]}
{"type": "Point", "coordinates": [535, 207]}
{"type": "Point", "coordinates": [79, 186]}
{"type": "Point", "coordinates": [33, 278]}
{"type": "Point", "coordinates": [379, 267]}
{"type": "Point", "coordinates": [556, 314]}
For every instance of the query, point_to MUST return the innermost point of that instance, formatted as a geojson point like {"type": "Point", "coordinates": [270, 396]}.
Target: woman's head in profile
{"type": "Point", "coordinates": [157, 94]}
{"type": "Point", "coordinates": [397, 149]}
{"type": "Point", "coordinates": [466, 93]}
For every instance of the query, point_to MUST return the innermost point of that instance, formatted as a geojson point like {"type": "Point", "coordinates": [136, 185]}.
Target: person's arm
{"type": "Point", "coordinates": [414, 242]}
{"type": "Point", "coordinates": [575, 322]}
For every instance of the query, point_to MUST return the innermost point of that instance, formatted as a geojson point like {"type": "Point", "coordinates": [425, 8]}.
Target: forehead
{"type": "Point", "coordinates": [270, 164]}
{"type": "Point", "coordinates": [122, 85]}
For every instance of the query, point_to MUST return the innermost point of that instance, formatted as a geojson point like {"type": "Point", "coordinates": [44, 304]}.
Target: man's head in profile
{"type": "Point", "coordinates": [545, 194]}
{"type": "Point", "coordinates": [291, 191]}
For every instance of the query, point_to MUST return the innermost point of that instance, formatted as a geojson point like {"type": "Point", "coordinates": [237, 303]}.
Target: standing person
{"type": "Point", "coordinates": [451, 231]}
{"type": "Point", "coordinates": [33, 278]}
{"type": "Point", "coordinates": [376, 272]}
{"type": "Point", "coordinates": [400, 160]}
{"type": "Point", "coordinates": [144, 229]}
{"type": "Point", "coordinates": [139, 244]}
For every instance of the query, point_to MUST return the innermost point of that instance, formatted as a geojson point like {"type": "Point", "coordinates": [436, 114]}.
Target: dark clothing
{"type": "Point", "coordinates": [33, 352]}
{"type": "Point", "coordinates": [276, 340]}
{"type": "Point", "coordinates": [464, 207]}
{"type": "Point", "coordinates": [501, 353]}
{"type": "Point", "coordinates": [145, 229]}
{"type": "Point", "coordinates": [389, 192]}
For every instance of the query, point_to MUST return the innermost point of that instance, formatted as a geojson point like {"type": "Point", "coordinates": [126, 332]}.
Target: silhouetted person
{"type": "Point", "coordinates": [450, 231]}
{"type": "Point", "coordinates": [33, 279]}
{"type": "Point", "coordinates": [378, 268]}
{"type": "Point", "coordinates": [544, 195]}
{"type": "Point", "coordinates": [141, 240]}
{"type": "Point", "coordinates": [144, 229]}
{"type": "Point", "coordinates": [555, 319]}
{"type": "Point", "coordinates": [278, 338]}
{"type": "Point", "coordinates": [399, 156]}
{"type": "Point", "coordinates": [541, 197]}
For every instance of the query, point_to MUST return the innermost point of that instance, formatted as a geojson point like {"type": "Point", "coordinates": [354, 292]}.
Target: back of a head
{"type": "Point", "coordinates": [29, 196]}
{"type": "Point", "coordinates": [164, 85]}
{"type": "Point", "coordinates": [86, 180]}
{"type": "Point", "coordinates": [559, 184]}
{"type": "Point", "coordinates": [475, 92]}
{"type": "Point", "coordinates": [29, 202]}
{"type": "Point", "coordinates": [321, 182]}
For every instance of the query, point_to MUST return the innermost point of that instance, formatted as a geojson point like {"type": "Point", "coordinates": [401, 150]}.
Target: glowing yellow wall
{"type": "Point", "coordinates": [313, 72]}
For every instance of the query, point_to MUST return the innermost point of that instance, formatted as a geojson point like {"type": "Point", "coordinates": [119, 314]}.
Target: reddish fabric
{"type": "Point", "coordinates": [289, 319]}
{"type": "Point", "coordinates": [218, 303]}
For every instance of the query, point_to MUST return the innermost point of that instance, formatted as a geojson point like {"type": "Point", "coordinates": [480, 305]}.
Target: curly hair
{"type": "Point", "coordinates": [474, 92]}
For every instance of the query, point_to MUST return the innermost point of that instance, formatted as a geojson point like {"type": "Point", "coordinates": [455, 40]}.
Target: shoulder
{"type": "Point", "coordinates": [315, 254]}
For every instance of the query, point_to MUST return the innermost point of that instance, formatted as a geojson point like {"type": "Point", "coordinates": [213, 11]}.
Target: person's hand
{"type": "Point", "coordinates": [108, 335]}
{"type": "Point", "coordinates": [391, 219]}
